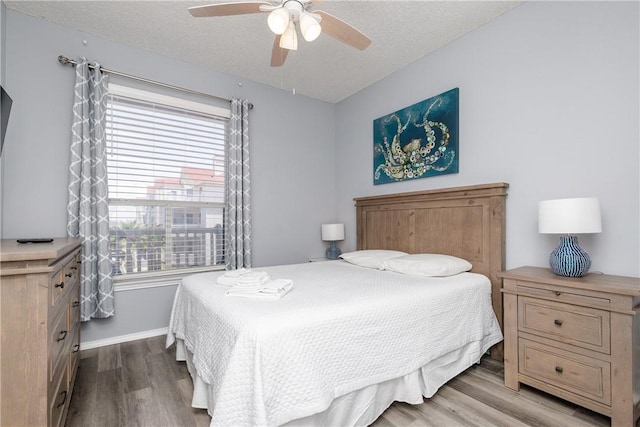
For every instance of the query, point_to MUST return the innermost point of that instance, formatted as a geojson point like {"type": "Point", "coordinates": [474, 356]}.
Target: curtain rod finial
{"type": "Point", "coordinates": [64, 60]}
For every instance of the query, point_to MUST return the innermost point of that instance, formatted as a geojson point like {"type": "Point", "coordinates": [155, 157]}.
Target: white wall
{"type": "Point", "coordinates": [292, 150]}
{"type": "Point", "coordinates": [549, 102]}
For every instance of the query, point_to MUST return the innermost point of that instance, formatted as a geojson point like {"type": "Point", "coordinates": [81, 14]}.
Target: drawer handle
{"type": "Point", "coordinates": [64, 399]}
{"type": "Point", "coordinates": [76, 348]}
{"type": "Point", "coordinates": [59, 285]}
{"type": "Point", "coordinates": [559, 369]}
{"type": "Point", "coordinates": [68, 274]}
{"type": "Point", "coordinates": [558, 293]}
{"type": "Point", "coordinates": [62, 335]}
{"type": "Point", "coordinates": [73, 267]}
{"type": "Point", "coordinates": [75, 304]}
{"type": "Point", "coordinates": [558, 322]}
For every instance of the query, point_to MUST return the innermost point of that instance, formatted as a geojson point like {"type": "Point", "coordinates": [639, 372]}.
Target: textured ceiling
{"type": "Point", "coordinates": [325, 69]}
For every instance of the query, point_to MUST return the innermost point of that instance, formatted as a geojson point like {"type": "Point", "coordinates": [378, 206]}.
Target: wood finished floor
{"type": "Point", "coordinates": [139, 383]}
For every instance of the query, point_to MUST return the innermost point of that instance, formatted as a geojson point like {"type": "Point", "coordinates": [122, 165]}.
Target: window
{"type": "Point", "coordinates": [158, 150]}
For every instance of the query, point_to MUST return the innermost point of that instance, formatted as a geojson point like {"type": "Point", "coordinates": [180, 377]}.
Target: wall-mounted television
{"type": "Point", "coordinates": [5, 109]}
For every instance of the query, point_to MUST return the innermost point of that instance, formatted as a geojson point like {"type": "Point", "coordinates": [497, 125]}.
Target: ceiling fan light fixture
{"type": "Point", "coordinates": [309, 27]}
{"type": "Point", "coordinates": [283, 18]}
{"type": "Point", "coordinates": [278, 20]}
{"type": "Point", "coordinates": [289, 39]}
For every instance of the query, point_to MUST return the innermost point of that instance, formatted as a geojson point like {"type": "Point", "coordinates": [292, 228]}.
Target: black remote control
{"type": "Point", "coordinates": [39, 240]}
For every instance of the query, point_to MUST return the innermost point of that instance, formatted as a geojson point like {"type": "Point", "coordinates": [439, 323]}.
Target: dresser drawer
{"type": "Point", "coordinates": [580, 326]}
{"type": "Point", "coordinates": [74, 307]}
{"type": "Point", "coordinates": [72, 270]}
{"type": "Point", "coordinates": [57, 288]}
{"type": "Point", "coordinates": [74, 357]}
{"type": "Point", "coordinates": [58, 341]}
{"type": "Point", "coordinates": [74, 330]}
{"type": "Point", "coordinates": [574, 373]}
{"type": "Point", "coordinates": [64, 279]}
{"type": "Point", "coordinates": [58, 395]}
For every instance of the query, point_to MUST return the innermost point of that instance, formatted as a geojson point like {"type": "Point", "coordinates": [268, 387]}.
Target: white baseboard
{"type": "Point", "coordinates": [123, 338]}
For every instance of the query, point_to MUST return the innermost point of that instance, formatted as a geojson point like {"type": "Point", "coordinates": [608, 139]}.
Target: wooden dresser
{"type": "Point", "coordinates": [576, 338]}
{"type": "Point", "coordinates": [40, 326]}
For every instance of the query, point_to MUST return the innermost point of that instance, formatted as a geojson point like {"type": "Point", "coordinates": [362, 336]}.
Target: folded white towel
{"type": "Point", "coordinates": [226, 281]}
{"type": "Point", "coordinates": [253, 278]}
{"type": "Point", "coordinates": [277, 286]}
{"type": "Point", "coordinates": [272, 289]}
{"type": "Point", "coordinates": [237, 273]}
{"type": "Point", "coordinates": [244, 275]}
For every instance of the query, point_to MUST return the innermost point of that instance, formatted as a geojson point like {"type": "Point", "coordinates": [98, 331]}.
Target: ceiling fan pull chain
{"type": "Point", "coordinates": [295, 75]}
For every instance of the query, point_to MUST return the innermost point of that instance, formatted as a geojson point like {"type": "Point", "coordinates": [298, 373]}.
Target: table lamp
{"type": "Point", "coordinates": [569, 217]}
{"type": "Point", "coordinates": [332, 233]}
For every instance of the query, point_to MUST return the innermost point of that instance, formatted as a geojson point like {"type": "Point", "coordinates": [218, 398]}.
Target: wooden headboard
{"type": "Point", "coordinates": [467, 222]}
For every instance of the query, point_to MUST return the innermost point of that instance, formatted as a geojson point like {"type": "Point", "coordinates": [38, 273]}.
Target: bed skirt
{"type": "Point", "coordinates": [362, 407]}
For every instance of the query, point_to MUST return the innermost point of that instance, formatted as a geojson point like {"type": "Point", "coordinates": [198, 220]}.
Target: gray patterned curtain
{"type": "Point", "coordinates": [88, 209]}
{"type": "Point", "coordinates": [238, 218]}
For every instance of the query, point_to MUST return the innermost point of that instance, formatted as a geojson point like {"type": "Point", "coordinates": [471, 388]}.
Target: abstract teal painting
{"type": "Point", "coordinates": [418, 141]}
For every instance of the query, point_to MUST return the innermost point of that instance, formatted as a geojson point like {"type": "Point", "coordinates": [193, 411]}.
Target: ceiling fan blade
{"type": "Point", "coordinates": [342, 31]}
{"type": "Point", "coordinates": [278, 54]}
{"type": "Point", "coordinates": [226, 9]}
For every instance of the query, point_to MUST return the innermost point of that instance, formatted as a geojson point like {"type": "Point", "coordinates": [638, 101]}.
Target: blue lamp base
{"type": "Point", "coordinates": [333, 251]}
{"type": "Point", "coordinates": [569, 259]}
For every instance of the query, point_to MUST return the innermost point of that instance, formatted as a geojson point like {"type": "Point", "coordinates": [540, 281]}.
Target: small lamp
{"type": "Point", "coordinates": [569, 217]}
{"type": "Point", "coordinates": [332, 233]}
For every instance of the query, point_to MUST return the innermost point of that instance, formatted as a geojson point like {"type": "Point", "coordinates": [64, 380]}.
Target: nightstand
{"type": "Point", "coordinates": [576, 338]}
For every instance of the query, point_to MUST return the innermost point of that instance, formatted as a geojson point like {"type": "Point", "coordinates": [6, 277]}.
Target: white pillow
{"type": "Point", "coordinates": [371, 258]}
{"type": "Point", "coordinates": [435, 265]}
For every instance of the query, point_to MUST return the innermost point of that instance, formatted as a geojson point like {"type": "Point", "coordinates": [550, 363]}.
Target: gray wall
{"type": "Point", "coordinates": [292, 195]}
{"type": "Point", "coordinates": [548, 103]}
{"type": "Point", "coordinates": [3, 39]}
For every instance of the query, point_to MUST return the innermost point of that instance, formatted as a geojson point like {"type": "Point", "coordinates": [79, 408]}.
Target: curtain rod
{"type": "Point", "coordinates": [66, 61]}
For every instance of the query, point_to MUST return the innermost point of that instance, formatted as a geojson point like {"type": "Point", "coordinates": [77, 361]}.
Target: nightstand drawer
{"type": "Point", "coordinates": [577, 374]}
{"type": "Point", "coordinates": [562, 294]}
{"type": "Point", "coordinates": [580, 326]}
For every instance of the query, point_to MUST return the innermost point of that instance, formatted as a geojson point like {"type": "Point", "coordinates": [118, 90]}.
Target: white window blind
{"type": "Point", "coordinates": [166, 172]}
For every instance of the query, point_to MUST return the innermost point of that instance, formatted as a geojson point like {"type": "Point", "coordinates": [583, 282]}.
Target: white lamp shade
{"type": "Point", "coordinates": [332, 232]}
{"type": "Point", "coordinates": [278, 20]}
{"type": "Point", "coordinates": [570, 216]}
{"type": "Point", "coordinates": [309, 27]}
{"type": "Point", "coordinates": [289, 39]}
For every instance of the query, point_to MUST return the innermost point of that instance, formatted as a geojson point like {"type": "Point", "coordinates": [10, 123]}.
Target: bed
{"type": "Point", "coordinates": [349, 339]}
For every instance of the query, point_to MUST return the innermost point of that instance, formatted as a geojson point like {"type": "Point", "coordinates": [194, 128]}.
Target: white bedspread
{"type": "Point", "coordinates": [340, 329]}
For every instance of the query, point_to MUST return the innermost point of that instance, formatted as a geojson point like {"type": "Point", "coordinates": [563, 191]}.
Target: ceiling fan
{"type": "Point", "coordinates": [284, 17]}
